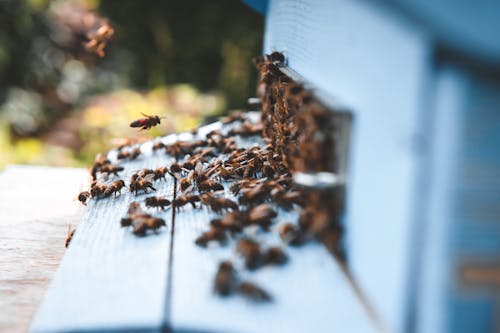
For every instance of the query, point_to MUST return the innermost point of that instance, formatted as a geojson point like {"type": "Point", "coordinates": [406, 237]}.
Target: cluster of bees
{"type": "Point", "coordinates": [297, 134]}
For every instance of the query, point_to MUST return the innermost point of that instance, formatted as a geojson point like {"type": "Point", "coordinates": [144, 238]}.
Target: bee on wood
{"type": "Point", "coordinates": [225, 279]}
{"type": "Point", "coordinates": [69, 236]}
{"type": "Point", "coordinates": [184, 183]}
{"type": "Point", "coordinates": [158, 145]}
{"type": "Point", "coordinates": [276, 57]}
{"type": "Point", "coordinates": [109, 168]}
{"type": "Point", "coordinates": [250, 250]}
{"type": "Point", "coordinates": [261, 215]}
{"type": "Point", "coordinates": [114, 188]}
{"type": "Point", "coordinates": [143, 224]}
{"type": "Point", "coordinates": [144, 172]}
{"type": "Point", "coordinates": [291, 235]}
{"type": "Point", "coordinates": [99, 162]}
{"type": "Point", "coordinates": [286, 200]}
{"type": "Point", "coordinates": [159, 173]}
{"type": "Point", "coordinates": [230, 222]}
{"type": "Point", "coordinates": [175, 168]}
{"type": "Point", "coordinates": [122, 155]}
{"type": "Point", "coordinates": [210, 185]}
{"type": "Point", "coordinates": [214, 234]}
{"type": "Point", "coordinates": [275, 256]}
{"type": "Point", "coordinates": [253, 292]}
{"type": "Point", "coordinates": [83, 197]}
{"type": "Point", "coordinates": [218, 205]}
{"type": "Point", "coordinates": [136, 152]}
{"type": "Point", "coordinates": [147, 122]}
{"type": "Point", "coordinates": [159, 202]}
{"type": "Point", "coordinates": [97, 190]}
{"type": "Point", "coordinates": [186, 199]}
{"type": "Point", "coordinates": [235, 116]}
{"type": "Point", "coordinates": [140, 184]}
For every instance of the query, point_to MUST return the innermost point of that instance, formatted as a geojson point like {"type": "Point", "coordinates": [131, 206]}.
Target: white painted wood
{"type": "Point", "coordinates": [109, 278]}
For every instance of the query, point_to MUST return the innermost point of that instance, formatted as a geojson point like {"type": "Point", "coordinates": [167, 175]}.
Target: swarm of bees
{"type": "Point", "coordinates": [297, 132]}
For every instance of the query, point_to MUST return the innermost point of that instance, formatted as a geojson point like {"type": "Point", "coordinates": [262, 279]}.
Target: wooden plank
{"type": "Point", "coordinates": [110, 279]}
{"type": "Point", "coordinates": [33, 226]}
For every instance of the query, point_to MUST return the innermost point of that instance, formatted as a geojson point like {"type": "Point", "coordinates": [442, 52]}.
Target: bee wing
{"type": "Point", "coordinates": [145, 115]}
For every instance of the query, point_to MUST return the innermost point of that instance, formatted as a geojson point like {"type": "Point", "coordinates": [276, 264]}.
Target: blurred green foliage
{"type": "Point", "coordinates": [59, 105]}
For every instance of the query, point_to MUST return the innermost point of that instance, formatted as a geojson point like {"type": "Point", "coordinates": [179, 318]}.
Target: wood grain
{"type": "Point", "coordinates": [36, 206]}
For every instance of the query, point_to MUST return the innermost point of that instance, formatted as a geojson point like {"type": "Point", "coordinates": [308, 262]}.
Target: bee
{"type": "Point", "coordinates": [158, 145]}
{"type": "Point", "coordinates": [69, 236]}
{"type": "Point", "coordinates": [114, 188]}
{"type": "Point", "coordinates": [140, 184]}
{"type": "Point", "coordinates": [291, 235]}
{"type": "Point", "coordinates": [109, 168]}
{"type": "Point", "coordinates": [175, 168]}
{"type": "Point", "coordinates": [286, 200]}
{"type": "Point", "coordinates": [250, 250]}
{"type": "Point", "coordinates": [83, 197]}
{"type": "Point", "coordinates": [261, 215]}
{"type": "Point", "coordinates": [210, 185]}
{"type": "Point", "coordinates": [136, 152]}
{"type": "Point", "coordinates": [276, 57]}
{"type": "Point", "coordinates": [186, 199]}
{"type": "Point", "coordinates": [159, 173]}
{"type": "Point", "coordinates": [253, 292]}
{"type": "Point", "coordinates": [184, 183]}
{"type": "Point", "coordinates": [225, 279]}
{"type": "Point", "coordinates": [218, 205]}
{"type": "Point", "coordinates": [214, 234]}
{"type": "Point", "coordinates": [275, 256]}
{"type": "Point", "coordinates": [97, 190]}
{"type": "Point", "coordinates": [144, 172]}
{"type": "Point", "coordinates": [147, 122]}
{"type": "Point", "coordinates": [159, 202]}
{"type": "Point", "coordinates": [230, 222]}
{"type": "Point", "coordinates": [145, 223]}
{"type": "Point", "coordinates": [235, 116]}
{"type": "Point", "coordinates": [123, 155]}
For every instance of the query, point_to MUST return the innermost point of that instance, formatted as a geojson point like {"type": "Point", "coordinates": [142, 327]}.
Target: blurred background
{"type": "Point", "coordinates": [61, 104]}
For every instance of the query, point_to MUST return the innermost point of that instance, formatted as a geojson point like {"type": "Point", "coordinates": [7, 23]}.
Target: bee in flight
{"type": "Point", "coordinates": [147, 122]}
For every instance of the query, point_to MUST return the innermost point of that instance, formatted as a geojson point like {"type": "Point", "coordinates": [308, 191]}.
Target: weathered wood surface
{"type": "Point", "coordinates": [36, 206]}
{"type": "Point", "coordinates": [111, 280]}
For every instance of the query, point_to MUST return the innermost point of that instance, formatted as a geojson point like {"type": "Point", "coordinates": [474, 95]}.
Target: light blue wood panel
{"type": "Point", "coordinates": [109, 279]}
{"type": "Point", "coordinates": [377, 66]}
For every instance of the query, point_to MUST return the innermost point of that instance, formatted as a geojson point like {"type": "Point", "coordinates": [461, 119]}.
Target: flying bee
{"type": "Point", "coordinates": [159, 202]}
{"type": "Point", "coordinates": [147, 122]}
